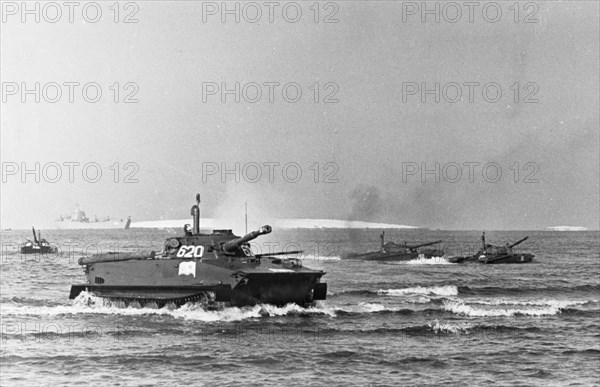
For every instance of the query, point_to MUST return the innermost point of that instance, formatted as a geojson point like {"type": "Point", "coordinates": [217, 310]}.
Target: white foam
{"type": "Point", "coordinates": [543, 302]}
{"type": "Point", "coordinates": [448, 290]}
{"type": "Point", "coordinates": [458, 307]}
{"type": "Point", "coordinates": [445, 327]}
{"type": "Point", "coordinates": [428, 261]}
{"type": "Point", "coordinates": [86, 303]}
{"type": "Point", "coordinates": [417, 300]}
{"type": "Point", "coordinates": [371, 307]}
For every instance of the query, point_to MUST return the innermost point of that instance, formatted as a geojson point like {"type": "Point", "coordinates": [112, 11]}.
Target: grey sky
{"type": "Point", "coordinates": [369, 133]}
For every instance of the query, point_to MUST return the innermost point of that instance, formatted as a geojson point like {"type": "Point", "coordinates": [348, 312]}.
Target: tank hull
{"type": "Point", "coordinates": [381, 256]}
{"type": "Point", "coordinates": [277, 289]}
{"type": "Point", "coordinates": [494, 259]}
{"type": "Point", "coordinates": [392, 251]}
{"type": "Point", "coordinates": [182, 280]}
{"type": "Point", "coordinates": [38, 250]}
{"type": "Point", "coordinates": [395, 256]}
{"type": "Point", "coordinates": [158, 294]}
{"type": "Point", "coordinates": [511, 258]}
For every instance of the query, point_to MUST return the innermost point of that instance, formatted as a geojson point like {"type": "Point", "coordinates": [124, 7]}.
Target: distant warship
{"type": "Point", "coordinates": [78, 220]}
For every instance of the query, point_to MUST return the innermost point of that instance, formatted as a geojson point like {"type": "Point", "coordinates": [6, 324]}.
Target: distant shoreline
{"type": "Point", "coordinates": [211, 223]}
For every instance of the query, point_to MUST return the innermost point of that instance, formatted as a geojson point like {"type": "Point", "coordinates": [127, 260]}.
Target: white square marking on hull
{"type": "Point", "coordinates": [187, 268]}
{"type": "Point", "coordinates": [281, 270]}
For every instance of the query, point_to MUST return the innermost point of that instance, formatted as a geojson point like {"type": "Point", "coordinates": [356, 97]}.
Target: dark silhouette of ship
{"type": "Point", "coordinates": [79, 220]}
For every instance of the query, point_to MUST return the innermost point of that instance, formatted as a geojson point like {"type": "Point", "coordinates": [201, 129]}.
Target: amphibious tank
{"type": "Point", "coordinates": [489, 253]}
{"type": "Point", "coordinates": [218, 267]}
{"type": "Point", "coordinates": [37, 246]}
{"type": "Point", "coordinates": [392, 251]}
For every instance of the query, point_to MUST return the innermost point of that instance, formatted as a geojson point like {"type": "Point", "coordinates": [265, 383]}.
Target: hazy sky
{"type": "Point", "coordinates": [368, 61]}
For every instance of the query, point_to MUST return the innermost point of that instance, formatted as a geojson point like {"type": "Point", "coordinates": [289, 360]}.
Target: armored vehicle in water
{"type": "Point", "coordinates": [392, 251]}
{"type": "Point", "coordinates": [37, 246]}
{"type": "Point", "coordinates": [218, 267]}
{"type": "Point", "coordinates": [489, 253]}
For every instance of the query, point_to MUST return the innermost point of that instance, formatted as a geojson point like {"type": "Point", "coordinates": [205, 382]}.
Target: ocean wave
{"type": "Point", "coordinates": [542, 302]}
{"type": "Point", "coordinates": [28, 301]}
{"type": "Point", "coordinates": [87, 303]}
{"type": "Point", "coordinates": [525, 290]}
{"type": "Point", "coordinates": [593, 352]}
{"type": "Point", "coordinates": [354, 292]}
{"type": "Point", "coordinates": [447, 290]}
{"type": "Point", "coordinates": [369, 307]}
{"type": "Point", "coordinates": [460, 308]}
{"type": "Point", "coordinates": [446, 327]}
{"type": "Point", "coordinates": [579, 312]}
{"type": "Point", "coordinates": [438, 327]}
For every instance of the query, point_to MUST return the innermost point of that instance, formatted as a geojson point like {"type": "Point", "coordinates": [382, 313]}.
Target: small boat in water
{"type": "Point", "coordinates": [38, 245]}
{"type": "Point", "coordinates": [392, 251]}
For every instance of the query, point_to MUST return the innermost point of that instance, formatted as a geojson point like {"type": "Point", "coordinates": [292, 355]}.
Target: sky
{"type": "Point", "coordinates": [353, 145]}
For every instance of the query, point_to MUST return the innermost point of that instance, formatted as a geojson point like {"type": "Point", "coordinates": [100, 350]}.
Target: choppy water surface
{"type": "Point", "coordinates": [421, 322]}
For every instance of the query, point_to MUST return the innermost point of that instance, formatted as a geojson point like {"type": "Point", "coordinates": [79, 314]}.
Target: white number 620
{"type": "Point", "coordinates": [190, 251]}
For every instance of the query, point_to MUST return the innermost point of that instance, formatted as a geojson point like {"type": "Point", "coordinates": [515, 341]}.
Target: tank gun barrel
{"type": "Point", "coordinates": [235, 243]}
{"type": "Point", "coordinates": [518, 242]}
{"type": "Point", "coordinates": [422, 245]}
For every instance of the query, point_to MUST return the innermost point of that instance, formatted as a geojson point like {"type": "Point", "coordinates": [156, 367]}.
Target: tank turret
{"type": "Point", "coordinates": [232, 245]}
